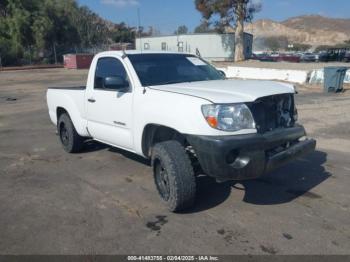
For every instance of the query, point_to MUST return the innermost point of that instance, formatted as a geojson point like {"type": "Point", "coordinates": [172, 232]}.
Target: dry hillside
{"type": "Point", "coordinates": [313, 30]}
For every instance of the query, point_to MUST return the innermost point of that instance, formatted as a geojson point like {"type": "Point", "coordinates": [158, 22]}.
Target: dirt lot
{"type": "Point", "coordinates": [103, 201]}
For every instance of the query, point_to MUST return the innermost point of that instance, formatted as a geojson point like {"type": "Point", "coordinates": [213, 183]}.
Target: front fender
{"type": "Point", "coordinates": [176, 111]}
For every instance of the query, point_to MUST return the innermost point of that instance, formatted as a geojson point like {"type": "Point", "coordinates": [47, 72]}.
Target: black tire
{"type": "Point", "coordinates": [71, 141]}
{"type": "Point", "coordinates": [173, 175]}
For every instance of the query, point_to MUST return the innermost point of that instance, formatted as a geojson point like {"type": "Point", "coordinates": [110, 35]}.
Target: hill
{"type": "Point", "coordinates": [317, 22]}
{"type": "Point", "coordinates": [314, 30]}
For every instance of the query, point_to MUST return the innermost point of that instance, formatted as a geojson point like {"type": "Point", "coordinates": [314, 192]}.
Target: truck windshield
{"type": "Point", "coordinates": [162, 69]}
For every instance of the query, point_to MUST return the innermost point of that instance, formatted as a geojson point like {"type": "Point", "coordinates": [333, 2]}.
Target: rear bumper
{"type": "Point", "coordinates": [249, 156]}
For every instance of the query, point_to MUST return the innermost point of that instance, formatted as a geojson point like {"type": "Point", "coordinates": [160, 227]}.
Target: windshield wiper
{"type": "Point", "coordinates": [171, 82]}
{"type": "Point", "coordinates": [184, 81]}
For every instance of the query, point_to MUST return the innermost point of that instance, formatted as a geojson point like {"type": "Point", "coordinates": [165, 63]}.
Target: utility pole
{"type": "Point", "coordinates": [54, 51]}
{"type": "Point", "coordinates": [139, 26]}
{"type": "Point", "coordinates": [30, 55]}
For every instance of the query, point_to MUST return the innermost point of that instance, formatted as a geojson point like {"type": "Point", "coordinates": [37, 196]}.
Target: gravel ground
{"type": "Point", "coordinates": [103, 201]}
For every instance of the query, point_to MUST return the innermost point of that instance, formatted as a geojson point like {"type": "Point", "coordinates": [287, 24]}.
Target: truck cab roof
{"type": "Point", "coordinates": [138, 52]}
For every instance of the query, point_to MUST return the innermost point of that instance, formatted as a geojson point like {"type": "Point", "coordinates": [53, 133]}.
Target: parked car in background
{"type": "Point", "coordinates": [335, 54]}
{"type": "Point", "coordinates": [309, 57]}
{"type": "Point", "coordinates": [275, 54]}
{"type": "Point", "coordinates": [347, 57]}
{"type": "Point", "coordinates": [323, 56]}
{"type": "Point", "coordinates": [287, 58]}
{"type": "Point", "coordinates": [276, 57]}
{"type": "Point", "coordinates": [255, 56]}
{"type": "Point", "coordinates": [263, 57]}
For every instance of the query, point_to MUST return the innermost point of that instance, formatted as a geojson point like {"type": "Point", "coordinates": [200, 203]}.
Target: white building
{"type": "Point", "coordinates": [211, 46]}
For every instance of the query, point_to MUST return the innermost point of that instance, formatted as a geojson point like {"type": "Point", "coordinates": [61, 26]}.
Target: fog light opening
{"type": "Point", "coordinates": [232, 156]}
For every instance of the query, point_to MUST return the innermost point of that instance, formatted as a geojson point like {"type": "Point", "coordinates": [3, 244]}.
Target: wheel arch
{"type": "Point", "coordinates": [59, 111]}
{"type": "Point", "coordinates": [155, 133]}
{"type": "Point", "coordinates": [78, 122]}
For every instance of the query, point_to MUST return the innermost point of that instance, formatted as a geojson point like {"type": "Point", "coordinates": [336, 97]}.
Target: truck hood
{"type": "Point", "coordinates": [229, 91]}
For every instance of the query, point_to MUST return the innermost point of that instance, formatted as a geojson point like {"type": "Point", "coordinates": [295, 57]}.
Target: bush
{"type": "Point", "coordinates": [275, 43]}
{"type": "Point", "coordinates": [8, 54]}
{"type": "Point", "coordinates": [300, 47]}
{"type": "Point", "coordinates": [46, 61]}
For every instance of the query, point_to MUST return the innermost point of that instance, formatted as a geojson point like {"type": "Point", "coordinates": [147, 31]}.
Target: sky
{"type": "Point", "coordinates": [167, 15]}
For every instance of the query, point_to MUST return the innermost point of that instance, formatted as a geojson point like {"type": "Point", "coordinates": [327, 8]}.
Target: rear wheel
{"type": "Point", "coordinates": [173, 175]}
{"type": "Point", "coordinates": [71, 141]}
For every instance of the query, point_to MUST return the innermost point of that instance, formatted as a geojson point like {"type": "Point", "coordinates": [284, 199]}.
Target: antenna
{"type": "Point", "coordinates": [124, 54]}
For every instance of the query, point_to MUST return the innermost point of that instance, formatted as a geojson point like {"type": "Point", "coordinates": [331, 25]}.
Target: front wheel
{"type": "Point", "coordinates": [173, 175]}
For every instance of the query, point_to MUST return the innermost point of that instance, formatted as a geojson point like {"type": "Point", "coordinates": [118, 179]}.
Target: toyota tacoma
{"type": "Point", "coordinates": [183, 114]}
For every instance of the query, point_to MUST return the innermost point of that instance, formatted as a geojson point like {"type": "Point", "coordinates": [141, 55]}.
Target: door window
{"type": "Point", "coordinates": [107, 70]}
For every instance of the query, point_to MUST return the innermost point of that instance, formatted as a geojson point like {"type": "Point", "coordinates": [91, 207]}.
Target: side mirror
{"type": "Point", "coordinates": [222, 73]}
{"type": "Point", "coordinates": [115, 82]}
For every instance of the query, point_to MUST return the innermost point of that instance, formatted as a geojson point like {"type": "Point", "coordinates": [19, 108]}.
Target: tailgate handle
{"type": "Point", "coordinates": [91, 100]}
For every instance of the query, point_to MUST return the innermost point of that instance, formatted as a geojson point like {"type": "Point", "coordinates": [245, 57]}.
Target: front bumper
{"type": "Point", "coordinates": [249, 156]}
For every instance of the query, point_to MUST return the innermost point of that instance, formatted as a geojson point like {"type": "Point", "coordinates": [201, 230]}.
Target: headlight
{"type": "Point", "coordinates": [228, 117]}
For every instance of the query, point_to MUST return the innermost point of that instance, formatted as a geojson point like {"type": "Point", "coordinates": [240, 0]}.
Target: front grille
{"type": "Point", "coordinates": [273, 112]}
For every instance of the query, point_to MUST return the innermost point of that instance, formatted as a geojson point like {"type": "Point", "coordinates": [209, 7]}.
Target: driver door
{"type": "Point", "coordinates": [109, 105]}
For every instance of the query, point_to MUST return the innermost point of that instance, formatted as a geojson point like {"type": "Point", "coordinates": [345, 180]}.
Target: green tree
{"type": "Point", "coordinates": [91, 28]}
{"type": "Point", "coordinates": [298, 47]}
{"type": "Point", "coordinates": [181, 30]}
{"type": "Point", "coordinates": [322, 48]}
{"type": "Point", "coordinates": [30, 29]}
{"type": "Point", "coordinates": [19, 26]}
{"type": "Point", "coordinates": [123, 34]}
{"type": "Point", "coordinates": [346, 44]}
{"type": "Point", "coordinates": [229, 13]}
{"type": "Point", "coordinates": [204, 27]}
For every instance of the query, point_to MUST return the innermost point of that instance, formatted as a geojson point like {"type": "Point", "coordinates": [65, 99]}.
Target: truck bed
{"type": "Point", "coordinates": [68, 88]}
{"type": "Point", "coordinates": [72, 99]}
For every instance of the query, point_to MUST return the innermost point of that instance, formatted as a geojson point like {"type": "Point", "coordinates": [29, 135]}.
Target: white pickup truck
{"type": "Point", "coordinates": [180, 112]}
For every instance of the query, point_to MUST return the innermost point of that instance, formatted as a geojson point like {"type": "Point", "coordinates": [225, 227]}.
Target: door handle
{"type": "Point", "coordinates": [91, 100]}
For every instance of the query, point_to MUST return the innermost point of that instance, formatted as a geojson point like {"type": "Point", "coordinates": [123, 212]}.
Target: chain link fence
{"type": "Point", "coordinates": [30, 56]}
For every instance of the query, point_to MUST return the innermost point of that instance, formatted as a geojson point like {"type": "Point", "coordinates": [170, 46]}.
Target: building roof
{"type": "Point", "coordinates": [189, 34]}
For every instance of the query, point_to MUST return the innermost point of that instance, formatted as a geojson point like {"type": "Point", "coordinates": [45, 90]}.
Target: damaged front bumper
{"type": "Point", "coordinates": [249, 156]}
